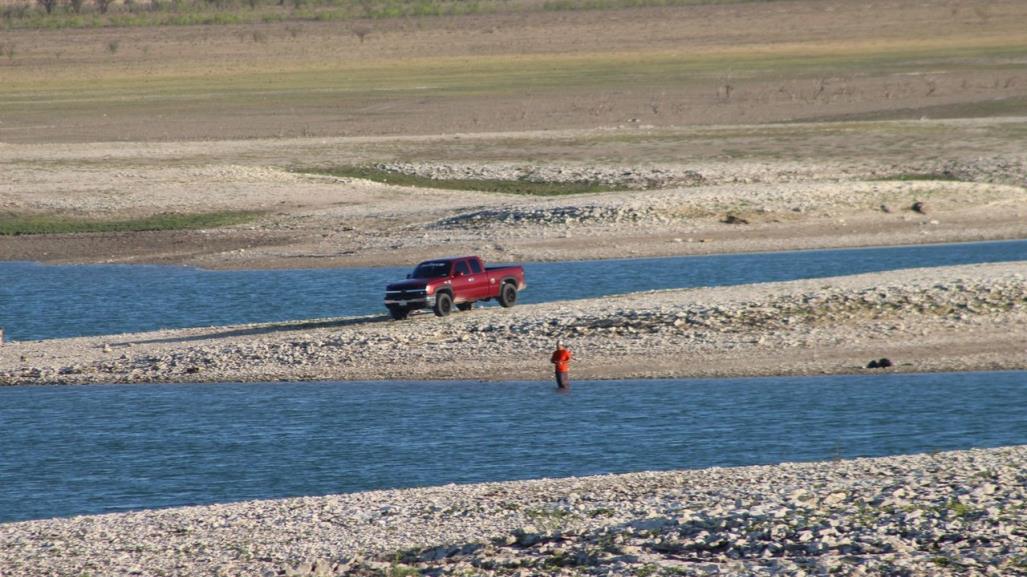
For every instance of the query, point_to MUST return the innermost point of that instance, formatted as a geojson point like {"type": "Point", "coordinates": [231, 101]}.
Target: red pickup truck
{"type": "Point", "coordinates": [440, 284]}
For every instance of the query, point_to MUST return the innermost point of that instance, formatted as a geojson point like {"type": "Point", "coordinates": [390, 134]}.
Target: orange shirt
{"type": "Point", "coordinates": [562, 359]}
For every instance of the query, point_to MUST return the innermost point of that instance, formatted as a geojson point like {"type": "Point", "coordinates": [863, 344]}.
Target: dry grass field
{"type": "Point", "coordinates": [124, 124]}
{"type": "Point", "coordinates": [707, 64]}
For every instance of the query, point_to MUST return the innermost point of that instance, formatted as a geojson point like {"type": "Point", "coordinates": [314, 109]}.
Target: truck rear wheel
{"type": "Point", "coordinates": [398, 313]}
{"type": "Point", "coordinates": [443, 304]}
{"type": "Point", "coordinates": [466, 306]}
{"type": "Point", "coordinates": [508, 295]}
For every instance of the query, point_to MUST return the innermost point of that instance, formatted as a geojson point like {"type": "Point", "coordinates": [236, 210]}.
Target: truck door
{"type": "Point", "coordinates": [473, 283]}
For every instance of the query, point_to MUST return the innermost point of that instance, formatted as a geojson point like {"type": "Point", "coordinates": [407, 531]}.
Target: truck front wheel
{"type": "Point", "coordinates": [508, 295]}
{"type": "Point", "coordinates": [443, 304]}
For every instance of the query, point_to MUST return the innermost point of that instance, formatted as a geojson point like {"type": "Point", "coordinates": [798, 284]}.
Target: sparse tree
{"type": "Point", "coordinates": [76, 6]}
{"type": "Point", "coordinates": [48, 5]}
{"type": "Point", "coordinates": [103, 5]}
{"type": "Point", "coordinates": [362, 30]}
{"type": "Point", "coordinates": [368, 6]}
{"type": "Point", "coordinates": [932, 86]}
{"type": "Point", "coordinates": [724, 91]}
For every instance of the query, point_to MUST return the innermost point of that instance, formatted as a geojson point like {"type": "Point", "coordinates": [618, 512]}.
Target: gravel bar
{"type": "Point", "coordinates": [959, 318]}
{"type": "Point", "coordinates": [951, 513]}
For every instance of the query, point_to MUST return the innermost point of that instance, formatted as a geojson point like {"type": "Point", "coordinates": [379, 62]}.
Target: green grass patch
{"type": "Point", "coordinates": [564, 5]}
{"type": "Point", "coordinates": [398, 570]}
{"type": "Point", "coordinates": [13, 225]}
{"type": "Point", "coordinates": [334, 84]}
{"type": "Point", "coordinates": [525, 187]}
{"type": "Point", "coordinates": [223, 12]}
{"type": "Point", "coordinates": [959, 510]}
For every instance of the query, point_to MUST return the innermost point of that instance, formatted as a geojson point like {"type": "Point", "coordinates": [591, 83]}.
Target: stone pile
{"type": "Point", "coordinates": [549, 216]}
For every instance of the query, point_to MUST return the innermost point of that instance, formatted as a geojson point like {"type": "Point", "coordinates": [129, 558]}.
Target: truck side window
{"type": "Point", "coordinates": [475, 266]}
{"type": "Point", "coordinates": [461, 267]}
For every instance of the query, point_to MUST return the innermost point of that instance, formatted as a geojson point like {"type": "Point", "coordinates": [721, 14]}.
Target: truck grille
{"type": "Point", "coordinates": [405, 295]}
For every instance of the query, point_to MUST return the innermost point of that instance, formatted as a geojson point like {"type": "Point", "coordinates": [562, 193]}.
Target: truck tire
{"type": "Point", "coordinates": [398, 313]}
{"type": "Point", "coordinates": [508, 295]}
{"type": "Point", "coordinates": [466, 306]}
{"type": "Point", "coordinates": [443, 304]}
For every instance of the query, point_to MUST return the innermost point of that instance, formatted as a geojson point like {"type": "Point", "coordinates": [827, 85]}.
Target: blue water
{"type": "Point", "coordinates": [106, 448]}
{"type": "Point", "coordinates": [41, 302]}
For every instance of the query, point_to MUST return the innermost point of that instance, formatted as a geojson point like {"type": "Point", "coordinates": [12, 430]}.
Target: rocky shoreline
{"type": "Point", "coordinates": [960, 318]}
{"type": "Point", "coordinates": [952, 513]}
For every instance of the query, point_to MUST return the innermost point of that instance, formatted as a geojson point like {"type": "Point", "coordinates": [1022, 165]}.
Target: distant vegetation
{"type": "Point", "coordinates": [12, 225]}
{"type": "Point", "coordinates": [57, 14]}
{"type": "Point", "coordinates": [526, 187]}
{"type": "Point", "coordinates": [926, 176]}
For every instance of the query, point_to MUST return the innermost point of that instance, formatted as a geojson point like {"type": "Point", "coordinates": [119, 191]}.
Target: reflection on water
{"type": "Point", "coordinates": [41, 302]}
{"type": "Point", "coordinates": [108, 448]}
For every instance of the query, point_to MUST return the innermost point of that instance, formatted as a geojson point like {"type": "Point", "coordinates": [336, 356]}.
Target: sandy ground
{"type": "Point", "coordinates": [936, 319]}
{"type": "Point", "coordinates": [840, 184]}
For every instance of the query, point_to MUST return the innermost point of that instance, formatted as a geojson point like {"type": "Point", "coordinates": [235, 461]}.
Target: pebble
{"type": "Point", "coordinates": [921, 515]}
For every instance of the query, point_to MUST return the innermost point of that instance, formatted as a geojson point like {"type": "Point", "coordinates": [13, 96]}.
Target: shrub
{"type": "Point", "coordinates": [48, 5]}
{"type": "Point", "coordinates": [362, 30]}
{"type": "Point", "coordinates": [43, 224]}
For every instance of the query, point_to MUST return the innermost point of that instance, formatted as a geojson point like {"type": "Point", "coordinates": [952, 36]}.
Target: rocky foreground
{"type": "Point", "coordinates": [955, 513]}
{"type": "Point", "coordinates": [939, 319]}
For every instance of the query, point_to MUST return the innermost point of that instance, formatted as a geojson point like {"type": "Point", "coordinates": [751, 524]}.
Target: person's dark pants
{"type": "Point", "coordinates": [563, 379]}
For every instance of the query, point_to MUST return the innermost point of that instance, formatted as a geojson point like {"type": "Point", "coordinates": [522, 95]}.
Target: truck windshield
{"type": "Point", "coordinates": [431, 270]}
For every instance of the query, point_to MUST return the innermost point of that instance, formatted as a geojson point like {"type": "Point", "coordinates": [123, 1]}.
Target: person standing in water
{"type": "Point", "coordinates": [561, 360]}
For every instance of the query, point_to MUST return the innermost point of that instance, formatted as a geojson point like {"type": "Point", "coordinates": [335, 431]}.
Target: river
{"type": "Point", "coordinates": [44, 302]}
{"type": "Point", "coordinates": [104, 448]}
